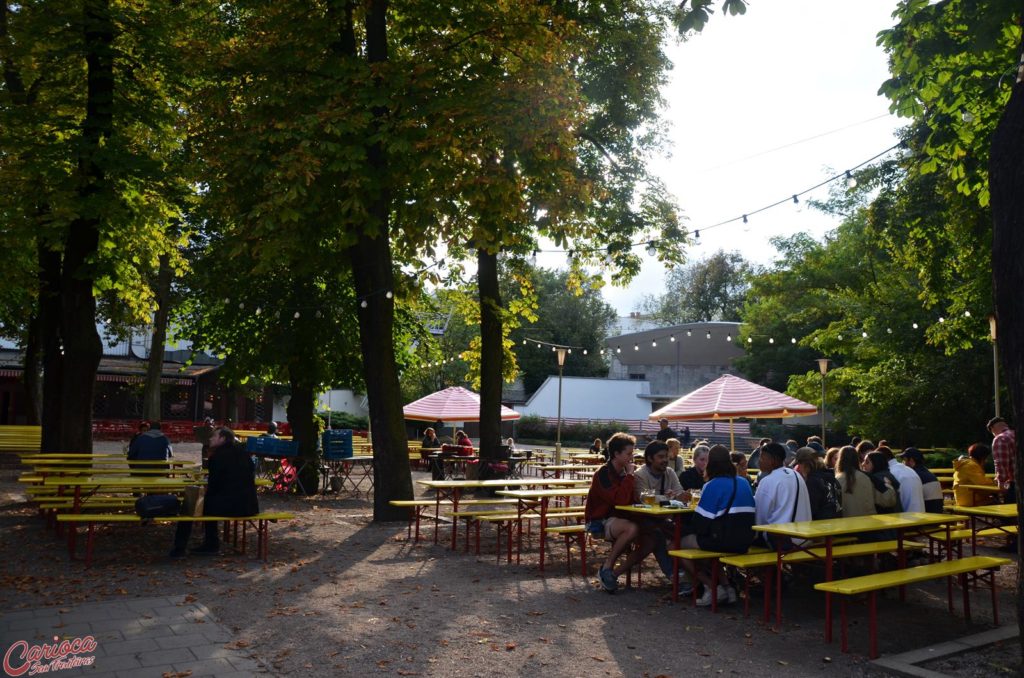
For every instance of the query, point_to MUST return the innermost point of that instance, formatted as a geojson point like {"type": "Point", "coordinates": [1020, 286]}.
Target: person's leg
{"type": "Point", "coordinates": [181, 534]}
{"type": "Point", "coordinates": [211, 540]}
{"type": "Point", "coordinates": [695, 574]}
{"type": "Point", "coordinates": [621, 533]}
{"type": "Point", "coordinates": [645, 543]}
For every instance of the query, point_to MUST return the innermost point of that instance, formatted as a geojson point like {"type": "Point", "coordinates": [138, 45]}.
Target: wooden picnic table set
{"type": "Point", "coordinates": [96, 489]}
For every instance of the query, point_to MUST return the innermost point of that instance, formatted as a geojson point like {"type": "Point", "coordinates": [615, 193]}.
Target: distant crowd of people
{"type": "Point", "coordinates": [793, 483]}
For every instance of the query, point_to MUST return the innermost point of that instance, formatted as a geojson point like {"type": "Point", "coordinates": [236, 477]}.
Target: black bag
{"type": "Point", "coordinates": [157, 506]}
{"type": "Point", "coordinates": [729, 532]}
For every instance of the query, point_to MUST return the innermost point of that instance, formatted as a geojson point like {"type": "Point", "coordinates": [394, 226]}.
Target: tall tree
{"type": "Point", "coordinates": [713, 288]}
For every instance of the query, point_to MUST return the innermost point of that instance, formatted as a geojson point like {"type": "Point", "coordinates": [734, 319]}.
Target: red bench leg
{"type": "Point", "coordinates": [583, 553]}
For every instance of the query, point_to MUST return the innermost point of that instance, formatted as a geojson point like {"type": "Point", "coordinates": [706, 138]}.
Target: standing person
{"type": "Point", "coordinates": [911, 491]}
{"type": "Point", "coordinates": [781, 493]}
{"type": "Point", "coordinates": [613, 485]}
{"type": "Point", "coordinates": [970, 470]}
{"type": "Point", "coordinates": [152, 445]}
{"type": "Point", "coordinates": [686, 437]}
{"type": "Point", "coordinates": [728, 500]}
{"type": "Point", "coordinates": [755, 456]}
{"type": "Point", "coordinates": [930, 486]}
{"type": "Point", "coordinates": [1004, 451]}
{"type": "Point", "coordinates": [693, 477]}
{"type": "Point", "coordinates": [822, 489]}
{"type": "Point", "coordinates": [230, 491]}
{"type": "Point", "coordinates": [666, 432]}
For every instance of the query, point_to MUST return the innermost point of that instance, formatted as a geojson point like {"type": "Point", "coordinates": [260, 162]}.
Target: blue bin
{"type": "Point", "coordinates": [265, 446]}
{"type": "Point", "coordinates": [337, 444]}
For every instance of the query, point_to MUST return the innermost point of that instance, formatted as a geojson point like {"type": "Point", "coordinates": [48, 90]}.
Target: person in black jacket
{"type": "Point", "coordinates": [230, 491]}
{"type": "Point", "coordinates": [822, 486]}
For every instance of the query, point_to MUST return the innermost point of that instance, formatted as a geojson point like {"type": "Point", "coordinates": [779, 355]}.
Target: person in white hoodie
{"type": "Point", "coordinates": [911, 489]}
{"type": "Point", "coordinates": [781, 494]}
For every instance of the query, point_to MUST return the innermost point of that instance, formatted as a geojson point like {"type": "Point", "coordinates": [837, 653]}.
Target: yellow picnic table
{"type": "Point", "coordinates": [452, 490]}
{"type": "Point", "coordinates": [989, 516]}
{"type": "Point", "coordinates": [536, 501]}
{"type": "Point", "coordinates": [556, 470]}
{"type": "Point", "coordinates": [979, 489]}
{"type": "Point", "coordinates": [676, 513]}
{"type": "Point", "coordinates": [827, 530]}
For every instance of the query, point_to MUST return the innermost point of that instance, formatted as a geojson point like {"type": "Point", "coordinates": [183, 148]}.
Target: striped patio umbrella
{"type": "Point", "coordinates": [451, 404]}
{"type": "Point", "coordinates": [730, 397]}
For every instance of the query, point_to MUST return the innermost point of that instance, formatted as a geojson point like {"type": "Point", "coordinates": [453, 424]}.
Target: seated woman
{"type": "Point", "coordinates": [887, 499]}
{"type": "Point", "coordinates": [430, 441]}
{"type": "Point", "coordinates": [723, 520]}
{"type": "Point", "coordinates": [598, 448]}
{"type": "Point", "coordinates": [675, 462]}
{"type": "Point", "coordinates": [970, 470]}
{"type": "Point", "coordinates": [462, 441]}
{"type": "Point", "coordinates": [693, 477]}
{"type": "Point", "coordinates": [230, 491]}
{"type": "Point", "coordinates": [858, 491]}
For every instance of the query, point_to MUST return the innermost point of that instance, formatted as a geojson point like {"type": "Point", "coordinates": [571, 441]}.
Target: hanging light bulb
{"type": "Point", "coordinates": [840, 337]}
{"type": "Point", "coordinates": [796, 200]}
{"type": "Point", "coordinates": [771, 340]}
{"type": "Point", "coordinates": [388, 295]}
{"type": "Point", "coordinates": [602, 351]}
{"type": "Point", "coordinates": [689, 333]}
{"type": "Point", "coordinates": [696, 237]}
{"type": "Point", "coordinates": [533, 257]}
{"type": "Point", "coordinates": [363, 303]}
{"type": "Point", "coordinates": [851, 182]}
{"type": "Point", "coordinates": [654, 344]}
{"type": "Point", "coordinates": [553, 349]}
{"type": "Point", "coordinates": [524, 342]}
{"type": "Point", "coordinates": [652, 249]}
{"type": "Point", "coordinates": [618, 349]}
{"type": "Point", "coordinates": [941, 319]}
{"type": "Point", "coordinates": [709, 335]}
{"type": "Point", "coordinates": [672, 338]}
{"type": "Point", "coordinates": [967, 314]}
{"type": "Point", "coordinates": [967, 116]}
{"type": "Point", "coordinates": [792, 340]}
{"type": "Point", "coordinates": [296, 316]}
{"type": "Point", "coordinates": [258, 310]}
{"type": "Point", "coordinates": [538, 345]}
{"type": "Point", "coordinates": [728, 337]}
{"type": "Point", "coordinates": [750, 340]}
{"type": "Point", "coordinates": [744, 218]}
{"type": "Point", "coordinates": [571, 255]}
{"type": "Point", "coordinates": [888, 330]}
{"type": "Point", "coordinates": [319, 314]}
{"type": "Point", "coordinates": [241, 304]}
{"type": "Point", "coordinates": [584, 351]}
{"type": "Point", "coordinates": [914, 325]}
{"type": "Point", "coordinates": [636, 347]}
{"type": "Point", "coordinates": [568, 350]}
{"type": "Point", "coordinates": [864, 335]}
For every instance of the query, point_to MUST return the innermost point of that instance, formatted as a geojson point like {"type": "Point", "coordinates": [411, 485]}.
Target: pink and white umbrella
{"type": "Point", "coordinates": [451, 404]}
{"type": "Point", "coordinates": [730, 397]}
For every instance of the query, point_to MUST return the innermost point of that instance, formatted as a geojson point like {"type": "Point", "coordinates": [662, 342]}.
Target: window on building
{"type": "Point", "coordinates": [637, 377]}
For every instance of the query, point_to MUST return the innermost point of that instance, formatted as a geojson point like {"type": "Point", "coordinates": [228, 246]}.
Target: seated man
{"type": "Point", "coordinates": [930, 487]}
{"type": "Point", "coordinates": [911, 489]}
{"type": "Point", "coordinates": [613, 485]}
{"type": "Point", "coordinates": [781, 495]}
{"type": "Point", "coordinates": [152, 445]}
{"type": "Point", "coordinates": [656, 477]}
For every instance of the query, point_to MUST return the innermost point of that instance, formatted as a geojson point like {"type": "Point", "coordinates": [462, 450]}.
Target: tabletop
{"type": "Point", "coordinates": [525, 482]}
{"type": "Point", "coordinates": [655, 510]}
{"type": "Point", "coordinates": [122, 481]}
{"type": "Point", "coordinates": [811, 529]}
{"type": "Point", "coordinates": [992, 511]}
{"type": "Point", "coordinates": [980, 488]}
{"type": "Point", "coordinates": [79, 470]}
{"type": "Point", "coordinates": [542, 494]}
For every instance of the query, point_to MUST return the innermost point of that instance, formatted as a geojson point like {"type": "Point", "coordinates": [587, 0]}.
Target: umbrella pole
{"type": "Point", "coordinates": [732, 437]}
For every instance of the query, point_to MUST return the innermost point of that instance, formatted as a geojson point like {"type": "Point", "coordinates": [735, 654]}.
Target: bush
{"type": "Point", "coordinates": [345, 420]}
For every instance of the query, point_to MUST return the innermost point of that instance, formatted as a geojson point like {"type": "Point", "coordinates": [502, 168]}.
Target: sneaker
{"type": "Point", "coordinates": [705, 598]}
{"type": "Point", "coordinates": [176, 554]}
{"type": "Point", "coordinates": [207, 550]}
{"type": "Point", "coordinates": [726, 595]}
{"type": "Point", "coordinates": [685, 589]}
{"type": "Point", "coordinates": [609, 582]}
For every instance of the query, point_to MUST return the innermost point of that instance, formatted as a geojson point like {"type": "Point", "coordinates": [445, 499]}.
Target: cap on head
{"type": "Point", "coordinates": [912, 453]}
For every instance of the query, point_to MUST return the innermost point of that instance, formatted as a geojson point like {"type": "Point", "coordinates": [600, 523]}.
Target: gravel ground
{"type": "Point", "coordinates": [342, 595]}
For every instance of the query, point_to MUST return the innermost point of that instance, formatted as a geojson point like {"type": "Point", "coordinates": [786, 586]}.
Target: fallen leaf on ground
{"type": "Point", "coordinates": [510, 646]}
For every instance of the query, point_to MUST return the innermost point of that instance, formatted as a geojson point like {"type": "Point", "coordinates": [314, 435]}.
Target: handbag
{"type": "Point", "coordinates": [194, 499]}
{"type": "Point", "coordinates": [157, 506]}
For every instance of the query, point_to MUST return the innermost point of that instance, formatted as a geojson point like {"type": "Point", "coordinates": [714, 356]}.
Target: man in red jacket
{"type": "Point", "coordinates": [613, 485]}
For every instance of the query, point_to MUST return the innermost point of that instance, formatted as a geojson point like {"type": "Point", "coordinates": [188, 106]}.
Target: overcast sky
{"type": "Point", "coordinates": [762, 106]}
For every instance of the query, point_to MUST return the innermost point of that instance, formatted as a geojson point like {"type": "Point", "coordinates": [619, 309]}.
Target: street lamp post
{"type": "Point", "coordinates": [995, 358]}
{"type": "Point", "coordinates": [560, 352]}
{"type": "Point", "coordinates": [823, 368]}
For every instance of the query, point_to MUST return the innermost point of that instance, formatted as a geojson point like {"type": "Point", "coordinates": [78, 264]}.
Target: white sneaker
{"type": "Point", "coordinates": [726, 595]}
{"type": "Point", "coordinates": [705, 598]}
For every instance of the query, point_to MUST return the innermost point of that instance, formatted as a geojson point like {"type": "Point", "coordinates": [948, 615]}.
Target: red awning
{"type": "Point", "coordinates": [730, 397]}
{"type": "Point", "coordinates": [451, 404]}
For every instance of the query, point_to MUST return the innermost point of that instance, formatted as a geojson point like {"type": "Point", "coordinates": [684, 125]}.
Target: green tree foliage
{"type": "Point", "coordinates": [563, 315]}
{"type": "Point", "coordinates": [709, 289]}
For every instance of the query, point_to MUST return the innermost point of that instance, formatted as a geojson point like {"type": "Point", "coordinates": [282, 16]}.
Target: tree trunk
{"type": "Point", "coordinates": [1006, 182]}
{"type": "Point", "coordinates": [49, 326]}
{"type": "Point", "coordinates": [155, 366]}
{"type": "Point", "coordinates": [231, 398]}
{"type": "Point", "coordinates": [301, 407]}
{"type": "Point", "coordinates": [32, 372]}
{"type": "Point", "coordinates": [492, 352]}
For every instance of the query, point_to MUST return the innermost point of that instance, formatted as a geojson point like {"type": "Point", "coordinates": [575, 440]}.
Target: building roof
{"type": "Point", "coordinates": [590, 398]}
{"type": "Point", "coordinates": [673, 346]}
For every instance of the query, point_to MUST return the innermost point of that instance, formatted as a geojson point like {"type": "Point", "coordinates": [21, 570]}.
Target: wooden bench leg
{"type": "Point", "coordinates": [583, 553]}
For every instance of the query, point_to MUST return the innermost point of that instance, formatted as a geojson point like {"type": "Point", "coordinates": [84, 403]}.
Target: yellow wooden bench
{"type": "Point", "coordinates": [510, 521]}
{"type": "Point", "coordinates": [570, 532]}
{"type": "Point", "coordinates": [769, 559]}
{"type": "Point", "coordinates": [701, 554]}
{"type": "Point", "coordinates": [19, 438]}
{"type": "Point", "coordinates": [967, 569]}
{"type": "Point", "coordinates": [418, 508]}
{"type": "Point", "coordinates": [90, 520]}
